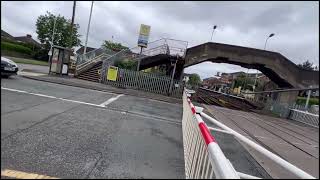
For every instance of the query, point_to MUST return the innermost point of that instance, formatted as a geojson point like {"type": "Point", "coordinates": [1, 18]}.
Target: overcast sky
{"type": "Point", "coordinates": [295, 24]}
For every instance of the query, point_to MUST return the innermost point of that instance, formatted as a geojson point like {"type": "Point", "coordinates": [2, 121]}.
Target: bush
{"type": "Point", "coordinates": [41, 54]}
{"type": "Point", "coordinates": [25, 44]}
{"type": "Point", "coordinates": [15, 47]}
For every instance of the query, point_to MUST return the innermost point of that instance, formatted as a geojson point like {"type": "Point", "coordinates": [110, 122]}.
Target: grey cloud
{"type": "Point", "coordinates": [296, 24]}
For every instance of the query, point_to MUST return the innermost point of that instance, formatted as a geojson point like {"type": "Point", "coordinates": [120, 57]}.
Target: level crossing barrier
{"type": "Point", "coordinates": [203, 157]}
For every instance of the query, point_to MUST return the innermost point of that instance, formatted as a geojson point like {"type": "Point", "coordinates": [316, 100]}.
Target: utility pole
{"type": "Point", "coordinates": [72, 22]}
{"type": "Point", "coordinates": [173, 72]}
{"type": "Point", "coordinates": [85, 47]}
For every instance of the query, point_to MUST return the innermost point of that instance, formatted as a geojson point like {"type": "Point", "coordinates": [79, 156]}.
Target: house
{"type": "Point", "coordinates": [6, 35]}
{"type": "Point", "coordinates": [81, 50]}
{"type": "Point", "coordinates": [28, 39]}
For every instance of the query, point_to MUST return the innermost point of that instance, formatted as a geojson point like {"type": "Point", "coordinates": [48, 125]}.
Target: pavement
{"type": "Point", "coordinates": [40, 73]}
{"type": "Point", "coordinates": [71, 132]}
{"type": "Point", "coordinates": [33, 68]}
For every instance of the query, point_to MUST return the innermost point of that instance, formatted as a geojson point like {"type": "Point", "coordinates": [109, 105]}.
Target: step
{"type": "Point", "coordinates": [90, 76]}
{"type": "Point", "coordinates": [89, 79]}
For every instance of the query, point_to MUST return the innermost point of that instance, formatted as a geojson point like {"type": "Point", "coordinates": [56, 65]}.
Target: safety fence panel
{"type": "Point", "coordinates": [304, 117]}
{"type": "Point", "coordinates": [203, 156]}
{"type": "Point", "coordinates": [145, 81]}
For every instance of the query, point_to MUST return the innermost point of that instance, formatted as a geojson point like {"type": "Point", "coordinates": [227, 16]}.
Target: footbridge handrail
{"type": "Point", "coordinates": [198, 113]}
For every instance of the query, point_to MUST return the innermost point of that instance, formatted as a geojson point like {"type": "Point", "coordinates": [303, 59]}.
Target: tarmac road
{"type": "Point", "coordinates": [69, 132]}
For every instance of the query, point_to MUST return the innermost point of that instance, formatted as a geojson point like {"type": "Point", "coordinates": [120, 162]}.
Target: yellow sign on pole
{"type": "Point", "coordinates": [144, 30]}
{"type": "Point", "coordinates": [144, 35]}
{"type": "Point", "coordinates": [112, 73]}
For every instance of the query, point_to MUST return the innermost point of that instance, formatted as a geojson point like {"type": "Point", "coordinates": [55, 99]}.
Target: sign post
{"type": "Point", "coordinates": [143, 39]}
{"type": "Point", "coordinates": [144, 35]}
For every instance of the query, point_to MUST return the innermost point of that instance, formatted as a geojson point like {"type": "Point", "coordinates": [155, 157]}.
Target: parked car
{"type": "Point", "coordinates": [8, 67]}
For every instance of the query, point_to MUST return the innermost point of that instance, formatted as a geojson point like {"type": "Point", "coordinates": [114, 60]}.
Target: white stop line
{"type": "Point", "coordinates": [63, 99]}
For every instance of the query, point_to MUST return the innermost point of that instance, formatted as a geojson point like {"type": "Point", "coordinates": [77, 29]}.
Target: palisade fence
{"type": "Point", "coordinates": [154, 83]}
{"type": "Point", "coordinates": [146, 82]}
{"type": "Point", "coordinates": [293, 112]}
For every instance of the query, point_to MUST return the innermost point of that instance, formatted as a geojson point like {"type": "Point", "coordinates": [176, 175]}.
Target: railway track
{"type": "Point", "coordinates": [212, 98]}
{"type": "Point", "coordinates": [271, 131]}
{"type": "Point", "coordinates": [293, 132]}
{"type": "Point", "coordinates": [223, 100]}
{"type": "Point", "coordinates": [250, 134]}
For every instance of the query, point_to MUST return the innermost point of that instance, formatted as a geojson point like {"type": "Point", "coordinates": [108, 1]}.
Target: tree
{"type": "Point", "coordinates": [114, 46]}
{"type": "Point", "coordinates": [245, 82]}
{"type": "Point", "coordinates": [126, 64]}
{"type": "Point", "coordinates": [308, 65]}
{"type": "Point", "coordinates": [63, 35]}
{"type": "Point", "coordinates": [194, 79]}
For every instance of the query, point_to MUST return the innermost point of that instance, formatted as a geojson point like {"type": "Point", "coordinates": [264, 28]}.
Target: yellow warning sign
{"type": "Point", "coordinates": [144, 30]}
{"type": "Point", "coordinates": [112, 73]}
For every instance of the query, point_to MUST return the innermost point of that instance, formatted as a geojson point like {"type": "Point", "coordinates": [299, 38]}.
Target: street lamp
{"type": "Point", "coordinates": [51, 42]}
{"type": "Point", "coordinates": [265, 44]}
{"type": "Point", "coordinates": [214, 27]}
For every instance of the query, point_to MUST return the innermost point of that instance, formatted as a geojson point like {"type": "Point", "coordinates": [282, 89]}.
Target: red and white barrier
{"type": "Point", "coordinates": [203, 156]}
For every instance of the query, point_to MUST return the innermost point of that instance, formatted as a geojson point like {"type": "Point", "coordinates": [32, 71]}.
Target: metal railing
{"type": "Point", "coordinates": [186, 117]}
{"type": "Point", "coordinates": [170, 46]}
{"type": "Point", "coordinates": [161, 46]}
{"type": "Point", "coordinates": [304, 117]}
{"type": "Point", "coordinates": [84, 60]}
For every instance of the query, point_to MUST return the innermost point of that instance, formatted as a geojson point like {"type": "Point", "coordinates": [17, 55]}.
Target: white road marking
{"type": "Point", "coordinates": [52, 97]}
{"type": "Point", "coordinates": [110, 100]}
{"type": "Point", "coordinates": [30, 73]}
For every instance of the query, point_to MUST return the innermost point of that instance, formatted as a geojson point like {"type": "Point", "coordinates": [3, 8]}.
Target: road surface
{"type": "Point", "coordinates": [69, 132]}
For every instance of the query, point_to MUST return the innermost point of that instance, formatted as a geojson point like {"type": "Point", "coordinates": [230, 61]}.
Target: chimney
{"type": "Point", "coordinates": [29, 36]}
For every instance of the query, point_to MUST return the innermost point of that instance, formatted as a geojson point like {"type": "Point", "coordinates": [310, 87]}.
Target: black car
{"type": "Point", "coordinates": [8, 67]}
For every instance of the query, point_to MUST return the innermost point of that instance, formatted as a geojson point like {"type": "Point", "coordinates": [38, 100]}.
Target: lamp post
{"type": "Point", "coordinates": [265, 45]}
{"type": "Point", "coordinates": [51, 42]}
{"type": "Point", "coordinates": [214, 27]}
{"type": "Point", "coordinates": [85, 47]}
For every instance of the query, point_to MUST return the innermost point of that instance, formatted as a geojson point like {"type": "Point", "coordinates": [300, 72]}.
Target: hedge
{"type": "Point", "coordinates": [312, 101]}
{"type": "Point", "coordinates": [28, 45]}
{"type": "Point", "coordinates": [15, 47]}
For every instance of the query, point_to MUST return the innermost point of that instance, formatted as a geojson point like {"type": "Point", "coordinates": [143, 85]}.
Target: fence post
{"type": "Point", "coordinates": [307, 102]}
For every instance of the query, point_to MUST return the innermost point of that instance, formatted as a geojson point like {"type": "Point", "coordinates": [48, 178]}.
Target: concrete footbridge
{"type": "Point", "coordinates": [274, 65]}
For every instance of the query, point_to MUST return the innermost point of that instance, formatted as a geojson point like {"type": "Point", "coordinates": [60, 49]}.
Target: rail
{"type": "Point", "coordinates": [192, 145]}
